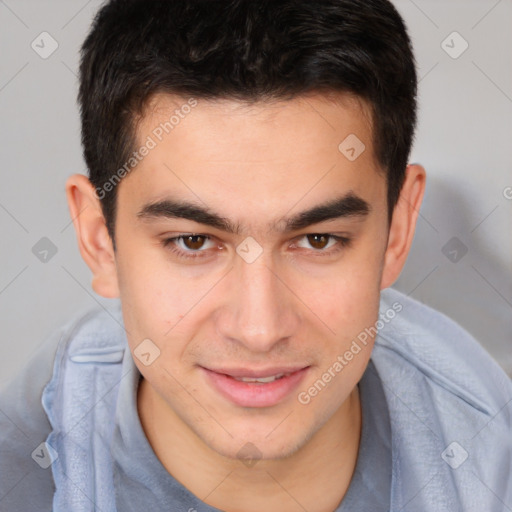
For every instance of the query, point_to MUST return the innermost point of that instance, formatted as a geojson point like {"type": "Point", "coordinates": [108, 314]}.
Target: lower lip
{"type": "Point", "coordinates": [246, 394]}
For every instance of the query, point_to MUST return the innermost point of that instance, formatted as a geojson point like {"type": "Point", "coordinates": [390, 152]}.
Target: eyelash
{"type": "Point", "coordinates": [342, 243]}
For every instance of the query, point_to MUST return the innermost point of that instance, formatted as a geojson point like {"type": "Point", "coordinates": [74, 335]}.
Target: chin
{"type": "Point", "coordinates": [263, 444]}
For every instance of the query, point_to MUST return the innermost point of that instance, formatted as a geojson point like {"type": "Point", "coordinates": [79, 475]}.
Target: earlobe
{"type": "Point", "coordinates": [403, 224]}
{"type": "Point", "coordinates": [93, 238]}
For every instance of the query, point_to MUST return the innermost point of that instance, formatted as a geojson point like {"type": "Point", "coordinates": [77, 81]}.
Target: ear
{"type": "Point", "coordinates": [403, 224]}
{"type": "Point", "coordinates": [94, 241]}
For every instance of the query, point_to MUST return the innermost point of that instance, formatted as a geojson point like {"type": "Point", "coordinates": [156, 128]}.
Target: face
{"type": "Point", "coordinates": [226, 263]}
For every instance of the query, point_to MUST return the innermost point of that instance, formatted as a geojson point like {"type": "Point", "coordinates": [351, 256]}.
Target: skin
{"type": "Point", "coordinates": [254, 165]}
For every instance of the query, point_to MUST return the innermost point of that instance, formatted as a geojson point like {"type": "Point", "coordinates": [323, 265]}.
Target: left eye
{"type": "Point", "coordinates": [320, 241]}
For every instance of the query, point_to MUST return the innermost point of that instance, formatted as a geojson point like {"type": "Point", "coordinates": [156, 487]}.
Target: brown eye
{"type": "Point", "coordinates": [193, 242]}
{"type": "Point", "coordinates": [318, 241]}
{"type": "Point", "coordinates": [324, 244]}
{"type": "Point", "coordinates": [190, 246]}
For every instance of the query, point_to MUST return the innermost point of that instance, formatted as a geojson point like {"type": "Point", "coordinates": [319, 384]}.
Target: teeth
{"type": "Point", "coordinates": [261, 380]}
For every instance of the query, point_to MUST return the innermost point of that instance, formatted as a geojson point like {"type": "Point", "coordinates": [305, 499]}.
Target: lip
{"type": "Point", "coordinates": [246, 394]}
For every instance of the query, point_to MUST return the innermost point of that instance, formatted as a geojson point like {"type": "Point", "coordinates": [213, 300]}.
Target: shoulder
{"type": "Point", "coordinates": [24, 423]}
{"type": "Point", "coordinates": [420, 339]}
{"type": "Point", "coordinates": [449, 406]}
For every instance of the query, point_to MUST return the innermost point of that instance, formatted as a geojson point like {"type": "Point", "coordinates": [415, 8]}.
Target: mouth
{"type": "Point", "coordinates": [255, 388]}
{"type": "Point", "coordinates": [261, 380]}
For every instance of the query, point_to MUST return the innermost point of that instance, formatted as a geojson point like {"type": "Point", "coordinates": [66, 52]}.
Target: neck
{"type": "Point", "coordinates": [315, 478]}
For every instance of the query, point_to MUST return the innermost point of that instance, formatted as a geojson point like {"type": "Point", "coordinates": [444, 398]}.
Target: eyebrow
{"type": "Point", "coordinates": [347, 206]}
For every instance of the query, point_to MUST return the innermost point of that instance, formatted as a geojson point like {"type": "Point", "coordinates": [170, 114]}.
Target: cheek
{"type": "Point", "coordinates": [163, 304]}
{"type": "Point", "coordinates": [348, 301]}
{"type": "Point", "coordinates": [151, 298]}
{"type": "Point", "coordinates": [350, 307]}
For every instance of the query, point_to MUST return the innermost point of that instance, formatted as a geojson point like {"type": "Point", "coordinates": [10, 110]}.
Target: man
{"type": "Point", "coordinates": [250, 204]}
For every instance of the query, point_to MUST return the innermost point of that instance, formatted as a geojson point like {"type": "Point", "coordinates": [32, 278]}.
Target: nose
{"type": "Point", "coordinates": [259, 310]}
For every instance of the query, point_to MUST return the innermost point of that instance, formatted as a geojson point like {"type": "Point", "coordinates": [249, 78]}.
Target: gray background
{"type": "Point", "coordinates": [464, 141]}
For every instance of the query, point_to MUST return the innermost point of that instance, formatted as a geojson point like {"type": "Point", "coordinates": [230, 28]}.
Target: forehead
{"type": "Point", "coordinates": [255, 161]}
{"type": "Point", "coordinates": [342, 109]}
